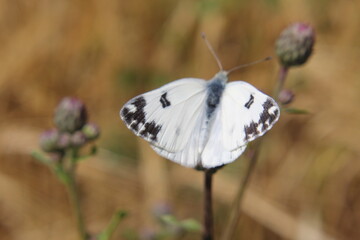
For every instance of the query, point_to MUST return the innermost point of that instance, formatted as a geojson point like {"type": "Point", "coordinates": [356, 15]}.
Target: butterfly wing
{"type": "Point", "coordinates": [169, 118]}
{"type": "Point", "coordinates": [244, 114]}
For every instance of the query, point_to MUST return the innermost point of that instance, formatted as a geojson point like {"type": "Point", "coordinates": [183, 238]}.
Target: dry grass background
{"type": "Point", "coordinates": [307, 182]}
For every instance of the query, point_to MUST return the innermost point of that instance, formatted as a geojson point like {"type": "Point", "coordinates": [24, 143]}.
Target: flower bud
{"type": "Point", "coordinates": [148, 234]}
{"type": "Point", "coordinates": [161, 209]}
{"type": "Point", "coordinates": [295, 44]}
{"type": "Point", "coordinates": [91, 131]}
{"type": "Point", "coordinates": [286, 96]}
{"type": "Point", "coordinates": [64, 140]}
{"type": "Point", "coordinates": [49, 139]}
{"type": "Point", "coordinates": [78, 139]}
{"type": "Point", "coordinates": [70, 115]}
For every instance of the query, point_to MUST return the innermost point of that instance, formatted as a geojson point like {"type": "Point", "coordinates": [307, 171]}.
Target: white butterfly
{"type": "Point", "coordinates": [198, 123]}
{"type": "Point", "coordinates": [201, 124]}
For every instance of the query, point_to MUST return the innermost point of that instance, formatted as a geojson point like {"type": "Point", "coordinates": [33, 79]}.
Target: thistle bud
{"type": "Point", "coordinates": [70, 115]}
{"type": "Point", "coordinates": [91, 131]}
{"type": "Point", "coordinates": [161, 209]}
{"type": "Point", "coordinates": [64, 140]}
{"type": "Point", "coordinates": [295, 44]}
{"type": "Point", "coordinates": [78, 139]}
{"type": "Point", "coordinates": [49, 140]}
{"type": "Point", "coordinates": [286, 96]}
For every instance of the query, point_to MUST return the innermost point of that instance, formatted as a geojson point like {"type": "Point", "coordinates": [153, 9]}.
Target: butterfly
{"type": "Point", "coordinates": [201, 124]}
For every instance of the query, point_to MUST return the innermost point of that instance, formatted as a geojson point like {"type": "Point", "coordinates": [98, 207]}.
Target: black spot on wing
{"type": "Point", "coordinates": [250, 102]}
{"type": "Point", "coordinates": [266, 115]}
{"type": "Point", "coordinates": [164, 102]}
{"type": "Point", "coordinates": [251, 130]}
{"type": "Point", "coordinates": [136, 116]}
{"type": "Point", "coordinates": [266, 120]}
{"type": "Point", "coordinates": [151, 131]}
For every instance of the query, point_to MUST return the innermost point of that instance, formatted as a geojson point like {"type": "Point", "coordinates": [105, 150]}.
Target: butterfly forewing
{"type": "Point", "coordinates": [246, 113]}
{"type": "Point", "coordinates": [167, 117]}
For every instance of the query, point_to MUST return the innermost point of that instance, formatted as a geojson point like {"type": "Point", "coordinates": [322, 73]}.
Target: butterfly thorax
{"type": "Point", "coordinates": [215, 90]}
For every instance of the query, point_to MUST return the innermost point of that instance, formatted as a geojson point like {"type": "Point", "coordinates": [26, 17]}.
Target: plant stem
{"type": "Point", "coordinates": [235, 210]}
{"type": "Point", "coordinates": [73, 195]}
{"type": "Point", "coordinates": [281, 80]}
{"type": "Point", "coordinates": [114, 223]}
{"type": "Point", "coordinates": [208, 214]}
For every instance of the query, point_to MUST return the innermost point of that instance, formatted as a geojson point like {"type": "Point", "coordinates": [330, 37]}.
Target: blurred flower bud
{"type": "Point", "coordinates": [49, 140]}
{"type": "Point", "coordinates": [161, 209]}
{"type": "Point", "coordinates": [78, 139]}
{"type": "Point", "coordinates": [91, 131]}
{"type": "Point", "coordinates": [286, 96]}
{"type": "Point", "coordinates": [70, 115]}
{"type": "Point", "coordinates": [64, 140]}
{"type": "Point", "coordinates": [148, 234]}
{"type": "Point", "coordinates": [295, 44]}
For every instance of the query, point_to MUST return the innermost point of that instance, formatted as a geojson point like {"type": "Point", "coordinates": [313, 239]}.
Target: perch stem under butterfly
{"type": "Point", "coordinates": [208, 213]}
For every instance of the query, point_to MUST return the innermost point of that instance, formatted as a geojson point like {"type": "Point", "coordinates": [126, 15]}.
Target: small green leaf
{"type": "Point", "coordinates": [169, 219]}
{"type": "Point", "coordinates": [40, 157]}
{"type": "Point", "coordinates": [191, 225]}
{"type": "Point", "coordinates": [295, 111]}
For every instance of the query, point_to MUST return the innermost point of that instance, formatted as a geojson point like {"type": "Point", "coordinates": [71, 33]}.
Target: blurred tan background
{"type": "Point", "coordinates": [306, 184]}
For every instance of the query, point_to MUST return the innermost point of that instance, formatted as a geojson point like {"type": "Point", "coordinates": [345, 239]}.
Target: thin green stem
{"type": "Point", "coordinates": [208, 214]}
{"type": "Point", "coordinates": [281, 80]}
{"type": "Point", "coordinates": [114, 223]}
{"type": "Point", "coordinates": [41, 158]}
{"type": "Point", "coordinates": [235, 210]}
{"type": "Point", "coordinates": [72, 190]}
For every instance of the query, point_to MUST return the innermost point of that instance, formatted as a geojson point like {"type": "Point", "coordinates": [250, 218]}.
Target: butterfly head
{"type": "Point", "coordinates": [222, 76]}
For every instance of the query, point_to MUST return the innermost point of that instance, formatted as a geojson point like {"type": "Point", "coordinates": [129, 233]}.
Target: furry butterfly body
{"type": "Point", "coordinates": [198, 123]}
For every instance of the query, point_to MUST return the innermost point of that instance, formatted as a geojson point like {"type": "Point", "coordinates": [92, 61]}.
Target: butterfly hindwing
{"type": "Point", "coordinates": [167, 117]}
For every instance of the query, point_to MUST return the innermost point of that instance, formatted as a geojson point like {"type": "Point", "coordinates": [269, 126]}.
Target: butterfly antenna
{"type": "Point", "coordinates": [249, 64]}
{"type": "Point", "coordinates": [212, 51]}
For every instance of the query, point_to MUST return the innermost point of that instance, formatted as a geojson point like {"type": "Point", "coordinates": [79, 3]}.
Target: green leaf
{"type": "Point", "coordinates": [295, 111]}
{"type": "Point", "coordinates": [191, 225]}
{"type": "Point", "coordinates": [41, 157]}
{"type": "Point", "coordinates": [169, 219]}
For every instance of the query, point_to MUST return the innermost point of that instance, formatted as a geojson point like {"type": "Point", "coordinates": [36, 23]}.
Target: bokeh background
{"type": "Point", "coordinates": [306, 184]}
